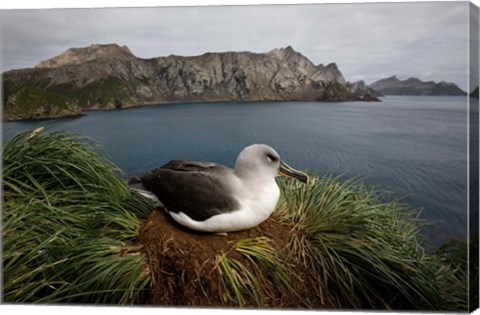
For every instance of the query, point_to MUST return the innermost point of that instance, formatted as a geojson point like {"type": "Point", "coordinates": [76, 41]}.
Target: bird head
{"type": "Point", "coordinates": [261, 160]}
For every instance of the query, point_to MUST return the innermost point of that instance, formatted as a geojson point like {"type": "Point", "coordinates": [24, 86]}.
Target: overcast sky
{"type": "Point", "coordinates": [367, 41]}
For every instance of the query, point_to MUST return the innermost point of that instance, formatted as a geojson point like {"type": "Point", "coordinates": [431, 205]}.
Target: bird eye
{"type": "Point", "coordinates": [271, 157]}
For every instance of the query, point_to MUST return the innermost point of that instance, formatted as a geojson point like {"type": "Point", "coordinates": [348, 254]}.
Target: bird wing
{"type": "Point", "coordinates": [194, 166]}
{"type": "Point", "coordinates": [194, 188]}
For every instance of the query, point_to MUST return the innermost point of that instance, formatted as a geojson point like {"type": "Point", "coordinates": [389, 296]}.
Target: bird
{"type": "Point", "coordinates": [210, 197]}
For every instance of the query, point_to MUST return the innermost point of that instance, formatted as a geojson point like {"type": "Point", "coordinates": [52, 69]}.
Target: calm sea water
{"type": "Point", "coordinates": [415, 147]}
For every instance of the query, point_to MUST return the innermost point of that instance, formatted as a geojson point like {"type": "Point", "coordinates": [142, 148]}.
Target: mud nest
{"type": "Point", "coordinates": [190, 268]}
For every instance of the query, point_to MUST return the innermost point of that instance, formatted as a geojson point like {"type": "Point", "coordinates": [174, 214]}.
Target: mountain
{"type": "Point", "coordinates": [414, 86]}
{"type": "Point", "coordinates": [110, 76]}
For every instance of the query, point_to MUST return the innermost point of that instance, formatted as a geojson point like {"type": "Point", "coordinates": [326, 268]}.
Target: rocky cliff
{"type": "Point", "coordinates": [414, 86]}
{"type": "Point", "coordinates": [361, 91]}
{"type": "Point", "coordinates": [110, 76]}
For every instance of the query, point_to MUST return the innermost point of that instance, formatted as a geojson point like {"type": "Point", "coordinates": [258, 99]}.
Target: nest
{"type": "Point", "coordinates": [191, 268]}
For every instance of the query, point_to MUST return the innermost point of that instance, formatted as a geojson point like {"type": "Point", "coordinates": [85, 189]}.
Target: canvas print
{"type": "Point", "coordinates": [308, 156]}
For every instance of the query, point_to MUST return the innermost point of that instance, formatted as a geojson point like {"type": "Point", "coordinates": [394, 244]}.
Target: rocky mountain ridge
{"type": "Point", "coordinates": [110, 76]}
{"type": "Point", "coordinates": [80, 55]}
{"type": "Point", "coordinates": [414, 86]}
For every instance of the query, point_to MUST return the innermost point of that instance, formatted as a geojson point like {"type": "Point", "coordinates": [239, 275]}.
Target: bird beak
{"type": "Point", "coordinates": [288, 171]}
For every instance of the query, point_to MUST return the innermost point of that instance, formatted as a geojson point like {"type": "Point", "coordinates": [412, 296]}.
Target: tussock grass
{"type": "Point", "coordinates": [262, 275]}
{"type": "Point", "coordinates": [68, 224]}
{"type": "Point", "coordinates": [364, 251]}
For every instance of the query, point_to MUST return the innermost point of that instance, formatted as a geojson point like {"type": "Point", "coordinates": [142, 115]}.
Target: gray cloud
{"type": "Point", "coordinates": [367, 41]}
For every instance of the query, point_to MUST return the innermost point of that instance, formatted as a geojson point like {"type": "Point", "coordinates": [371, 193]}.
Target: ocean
{"type": "Point", "coordinates": [414, 147]}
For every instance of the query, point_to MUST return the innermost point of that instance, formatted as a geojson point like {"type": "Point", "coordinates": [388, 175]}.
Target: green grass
{"type": "Point", "coordinates": [69, 223]}
{"type": "Point", "coordinates": [50, 100]}
{"type": "Point", "coordinates": [32, 102]}
{"type": "Point", "coordinates": [103, 92]}
{"type": "Point", "coordinates": [262, 276]}
{"type": "Point", "coordinates": [366, 252]}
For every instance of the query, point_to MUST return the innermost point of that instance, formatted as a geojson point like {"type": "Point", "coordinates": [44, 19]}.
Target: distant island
{"type": "Point", "coordinates": [111, 77]}
{"type": "Point", "coordinates": [474, 93]}
{"type": "Point", "coordinates": [414, 86]}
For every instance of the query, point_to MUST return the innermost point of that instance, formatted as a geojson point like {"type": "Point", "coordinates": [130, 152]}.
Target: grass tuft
{"type": "Point", "coordinates": [366, 252]}
{"type": "Point", "coordinates": [258, 274]}
{"type": "Point", "coordinates": [69, 222]}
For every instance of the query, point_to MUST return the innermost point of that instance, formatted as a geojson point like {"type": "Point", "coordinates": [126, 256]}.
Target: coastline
{"type": "Point", "coordinates": [85, 111]}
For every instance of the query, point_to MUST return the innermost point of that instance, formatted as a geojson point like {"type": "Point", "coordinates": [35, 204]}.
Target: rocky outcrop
{"type": "Point", "coordinates": [361, 91]}
{"type": "Point", "coordinates": [110, 76]}
{"type": "Point", "coordinates": [414, 86]}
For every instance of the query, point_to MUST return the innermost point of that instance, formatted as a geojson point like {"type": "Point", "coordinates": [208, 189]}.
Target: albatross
{"type": "Point", "coordinates": [210, 197]}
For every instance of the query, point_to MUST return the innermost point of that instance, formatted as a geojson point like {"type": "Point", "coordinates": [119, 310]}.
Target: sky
{"type": "Point", "coordinates": [368, 41]}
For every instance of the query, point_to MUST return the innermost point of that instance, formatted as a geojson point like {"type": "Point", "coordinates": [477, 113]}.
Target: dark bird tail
{"type": "Point", "coordinates": [135, 183]}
